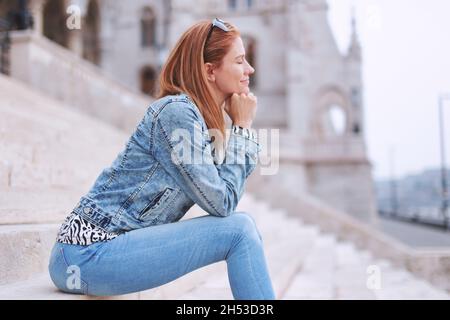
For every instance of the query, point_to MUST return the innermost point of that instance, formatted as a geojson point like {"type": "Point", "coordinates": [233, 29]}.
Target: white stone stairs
{"type": "Point", "coordinates": [324, 268]}
{"type": "Point", "coordinates": [49, 153]}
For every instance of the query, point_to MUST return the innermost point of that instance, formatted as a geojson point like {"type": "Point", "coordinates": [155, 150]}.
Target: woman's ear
{"type": "Point", "coordinates": [210, 72]}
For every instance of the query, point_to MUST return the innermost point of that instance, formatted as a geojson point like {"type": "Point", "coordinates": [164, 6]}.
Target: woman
{"type": "Point", "coordinates": [124, 235]}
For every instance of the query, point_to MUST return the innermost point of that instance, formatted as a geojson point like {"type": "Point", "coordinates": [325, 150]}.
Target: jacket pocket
{"type": "Point", "coordinates": [157, 205]}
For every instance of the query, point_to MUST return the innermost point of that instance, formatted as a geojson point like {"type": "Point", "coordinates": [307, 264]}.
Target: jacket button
{"type": "Point", "coordinates": [87, 210]}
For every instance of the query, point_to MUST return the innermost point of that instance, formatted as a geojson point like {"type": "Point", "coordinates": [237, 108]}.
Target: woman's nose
{"type": "Point", "coordinates": [250, 69]}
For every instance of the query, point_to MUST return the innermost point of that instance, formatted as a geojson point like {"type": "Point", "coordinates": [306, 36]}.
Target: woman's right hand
{"type": "Point", "coordinates": [241, 108]}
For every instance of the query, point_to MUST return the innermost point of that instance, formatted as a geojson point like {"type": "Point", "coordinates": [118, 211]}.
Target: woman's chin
{"type": "Point", "coordinates": [241, 89]}
{"type": "Point", "coordinates": [245, 90]}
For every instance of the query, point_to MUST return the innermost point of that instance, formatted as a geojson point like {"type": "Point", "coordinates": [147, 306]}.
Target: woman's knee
{"type": "Point", "coordinates": [247, 225]}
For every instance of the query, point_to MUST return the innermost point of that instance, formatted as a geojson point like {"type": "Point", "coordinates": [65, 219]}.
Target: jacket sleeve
{"type": "Point", "coordinates": [178, 144]}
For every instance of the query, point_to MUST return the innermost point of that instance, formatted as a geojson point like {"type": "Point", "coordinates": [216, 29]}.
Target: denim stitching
{"type": "Point", "coordinates": [186, 173]}
{"type": "Point", "coordinates": [99, 213]}
{"type": "Point", "coordinates": [251, 268]}
{"type": "Point", "coordinates": [186, 100]}
{"type": "Point", "coordinates": [121, 165]}
{"type": "Point", "coordinates": [136, 192]}
{"type": "Point", "coordinates": [154, 120]}
{"type": "Point", "coordinates": [174, 193]}
{"type": "Point", "coordinates": [165, 204]}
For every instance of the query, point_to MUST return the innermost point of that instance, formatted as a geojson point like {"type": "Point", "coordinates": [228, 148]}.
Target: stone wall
{"type": "Point", "coordinates": [59, 73]}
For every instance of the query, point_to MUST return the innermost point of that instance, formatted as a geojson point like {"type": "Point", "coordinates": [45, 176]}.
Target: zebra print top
{"type": "Point", "coordinates": [76, 230]}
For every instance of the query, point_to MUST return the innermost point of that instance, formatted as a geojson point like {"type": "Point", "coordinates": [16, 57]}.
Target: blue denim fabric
{"type": "Point", "coordinates": [149, 257]}
{"type": "Point", "coordinates": [151, 182]}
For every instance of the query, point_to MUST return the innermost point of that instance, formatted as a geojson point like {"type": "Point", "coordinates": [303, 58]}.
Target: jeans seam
{"type": "Point", "coordinates": [251, 268]}
{"type": "Point", "coordinates": [61, 250]}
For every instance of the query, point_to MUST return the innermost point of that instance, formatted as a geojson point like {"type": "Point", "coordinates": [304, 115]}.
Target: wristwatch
{"type": "Point", "coordinates": [245, 132]}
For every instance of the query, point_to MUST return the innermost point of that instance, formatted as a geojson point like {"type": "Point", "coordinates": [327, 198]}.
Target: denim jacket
{"type": "Point", "coordinates": [158, 177]}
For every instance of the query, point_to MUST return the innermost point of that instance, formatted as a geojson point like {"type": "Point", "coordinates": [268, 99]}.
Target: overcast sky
{"type": "Point", "coordinates": [406, 52]}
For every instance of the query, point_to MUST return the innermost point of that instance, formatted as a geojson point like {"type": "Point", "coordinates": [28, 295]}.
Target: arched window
{"type": "Point", "coordinates": [148, 80]}
{"type": "Point", "coordinates": [148, 27]}
{"type": "Point", "coordinates": [91, 30]}
{"type": "Point", "coordinates": [333, 117]}
{"type": "Point", "coordinates": [55, 22]}
{"type": "Point", "coordinates": [250, 55]}
{"type": "Point", "coordinates": [335, 121]}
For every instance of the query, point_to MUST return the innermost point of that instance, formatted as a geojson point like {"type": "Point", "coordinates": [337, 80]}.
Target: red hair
{"type": "Point", "coordinates": [184, 69]}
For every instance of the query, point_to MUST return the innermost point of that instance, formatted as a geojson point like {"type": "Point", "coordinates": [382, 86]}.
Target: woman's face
{"type": "Point", "coordinates": [233, 74]}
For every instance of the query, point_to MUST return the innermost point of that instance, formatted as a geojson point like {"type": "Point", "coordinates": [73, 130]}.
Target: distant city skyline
{"type": "Point", "coordinates": [406, 66]}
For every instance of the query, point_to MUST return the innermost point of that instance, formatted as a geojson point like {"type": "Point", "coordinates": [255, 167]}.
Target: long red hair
{"type": "Point", "coordinates": [184, 69]}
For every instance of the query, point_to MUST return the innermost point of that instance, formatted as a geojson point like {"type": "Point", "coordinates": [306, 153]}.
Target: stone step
{"type": "Point", "coordinates": [314, 280]}
{"type": "Point", "coordinates": [184, 284]}
{"type": "Point", "coordinates": [334, 270]}
{"type": "Point", "coordinates": [337, 270]}
{"type": "Point", "coordinates": [350, 275]}
{"type": "Point", "coordinates": [217, 287]}
{"type": "Point", "coordinates": [31, 112]}
{"type": "Point", "coordinates": [35, 206]}
{"type": "Point", "coordinates": [43, 143]}
{"type": "Point", "coordinates": [265, 214]}
{"type": "Point", "coordinates": [25, 250]}
{"type": "Point", "coordinates": [40, 287]}
{"type": "Point", "coordinates": [401, 284]}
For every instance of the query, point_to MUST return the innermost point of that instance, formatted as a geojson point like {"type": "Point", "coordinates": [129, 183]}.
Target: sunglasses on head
{"type": "Point", "coordinates": [219, 24]}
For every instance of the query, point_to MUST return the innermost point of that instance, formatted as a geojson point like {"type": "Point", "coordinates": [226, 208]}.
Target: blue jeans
{"type": "Point", "coordinates": [150, 257]}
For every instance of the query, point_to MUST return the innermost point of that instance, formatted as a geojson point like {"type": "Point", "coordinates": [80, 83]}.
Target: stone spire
{"type": "Point", "coordinates": [354, 50]}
